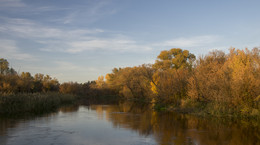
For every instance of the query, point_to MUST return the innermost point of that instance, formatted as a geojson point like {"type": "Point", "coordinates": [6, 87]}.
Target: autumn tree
{"type": "Point", "coordinates": [169, 82]}
{"type": "Point", "coordinates": [208, 78]}
{"type": "Point", "coordinates": [171, 86]}
{"type": "Point", "coordinates": [38, 82]}
{"type": "Point", "coordinates": [174, 58]}
{"type": "Point", "coordinates": [245, 76]}
{"type": "Point", "coordinates": [137, 82]}
{"type": "Point", "coordinates": [131, 82]}
{"type": "Point", "coordinates": [100, 82]}
{"type": "Point", "coordinates": [8, 83]}
{"type": "Point", "coordinates": [11, 82]}
{"type": "Point", "coordinates": [25, 82]}
{"type": "Point", "coordinates": [232, 79]}
{"type": "Point", "coordinates": [112, 77]}
{"type": "Point", "coordinates": [70, 88]}
{"type": "Point", "coordinates": [4, 66]}
{"type": "Point", "coordinates": [50, 84]}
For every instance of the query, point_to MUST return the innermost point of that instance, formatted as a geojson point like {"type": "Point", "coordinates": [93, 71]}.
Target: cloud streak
{"type": "Point", "coordinates": [75, 41]}
{"type": "Point", "coordinates": [29, 29]}
{"type": "Point", "coordinates": [114, 44]}
{"type": "Point", "coordinates": [11, 4]}
{"type": "Point", "coordinates": [85, 12]}
{"type": "Point", "coordinates": [79, 40]}
{"type": "Point", "coordinates": [196, 41]}
{"type": "Point", "coordinates": [69, 41]}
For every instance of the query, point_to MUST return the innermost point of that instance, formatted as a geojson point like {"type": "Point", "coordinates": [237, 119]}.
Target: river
{"type": "Point", "coordinates": [125, 124]}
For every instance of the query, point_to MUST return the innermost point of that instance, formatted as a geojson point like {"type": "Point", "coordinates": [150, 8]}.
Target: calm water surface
{"type": "Point", "coordinates": [125, 124]}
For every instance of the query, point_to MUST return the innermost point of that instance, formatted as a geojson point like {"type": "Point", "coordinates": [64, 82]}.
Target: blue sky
{"type": "Point", "coordinates": [82, 39]}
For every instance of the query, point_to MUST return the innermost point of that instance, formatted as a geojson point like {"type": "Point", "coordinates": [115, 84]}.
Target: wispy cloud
{"type": "Point", "coordinates": [9, 50]}
{"type": "Point", "coordinates": [80, 40]}
{"type": "Point", "coordinates": [63, 13]}
{"type": "Point", "coordinates": [95, 44]}
{"type": "Point", "coordinates": [75, 41]}
{"type": "Point", "coordinates": [69, 66]}
{"type": "Point", "coordinates": [69, 41]}
{"type": "Point", "coordinates": [62, 65]}
{"type": "Point", "coordinates": [86, 12]}
{"type": "Point", "coordinates": [118, 44]}
{"type": "Point", "coordinates": [29, 29]}
{"type": "Point", "coordinates": [69, 18]}
{"type": "Point", "coordinates": [11, 3]}
{"type": "Point", "coordinates": [196, 41]}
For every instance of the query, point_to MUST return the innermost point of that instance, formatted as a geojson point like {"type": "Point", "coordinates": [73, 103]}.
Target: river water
{"type": "Point", "coordinates": [125, 124]}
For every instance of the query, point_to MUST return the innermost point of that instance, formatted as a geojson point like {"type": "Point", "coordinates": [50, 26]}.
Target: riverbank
{"type": "Point", "coordinates": [33, 103]}
{"type": "Point", "coordinates": [39, 103]}
{"type": "Point", "coordinates": [213, 109]}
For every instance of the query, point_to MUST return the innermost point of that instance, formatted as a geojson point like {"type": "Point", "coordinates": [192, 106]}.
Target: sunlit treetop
{"type": "Point", "coordinates": [174, 58]}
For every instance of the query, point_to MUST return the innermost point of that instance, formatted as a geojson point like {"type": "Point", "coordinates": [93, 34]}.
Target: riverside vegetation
{"type": "Point", "coordinates": [26, 94]}
{"type": "Point", "coordinates": [216, 84]}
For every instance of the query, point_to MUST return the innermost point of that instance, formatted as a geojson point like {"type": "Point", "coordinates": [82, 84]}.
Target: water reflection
{"type": "Point", "coordinates": [178, 129]}
{"type": "Point", "coordinates": [126, 123]}
{"type": "Point", "coordinates": [71, 108]}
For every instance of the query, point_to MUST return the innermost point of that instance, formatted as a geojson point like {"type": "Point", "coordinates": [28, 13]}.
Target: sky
{"type": "Point", "coordinates": [80, 40]}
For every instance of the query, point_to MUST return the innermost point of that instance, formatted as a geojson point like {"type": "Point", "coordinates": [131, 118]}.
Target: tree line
{"type": "Point", "coordinates": [217, 82]}
{"type": "Point", "coordinates": [12, 82]}
{"type": "Point", "coordinates": [225, 82]}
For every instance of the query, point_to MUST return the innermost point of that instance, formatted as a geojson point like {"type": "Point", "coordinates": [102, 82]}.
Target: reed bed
{"type": "Point", "coordinates": [35, 103]}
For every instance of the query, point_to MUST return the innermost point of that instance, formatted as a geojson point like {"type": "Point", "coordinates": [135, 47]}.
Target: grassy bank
{"type": "Point", "coordinates": [215, 109]}
{"type": "Point", "coordinates": [37, 103]}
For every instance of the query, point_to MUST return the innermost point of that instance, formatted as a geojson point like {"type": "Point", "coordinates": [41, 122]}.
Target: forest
{"type": "Point", "coordinates": [216, 84]}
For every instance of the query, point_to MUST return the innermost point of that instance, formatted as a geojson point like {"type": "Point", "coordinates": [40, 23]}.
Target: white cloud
{"type": "Point", "coordinates": [9, 50]}
{"type": "Point", "coordinates": [196, 41]}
